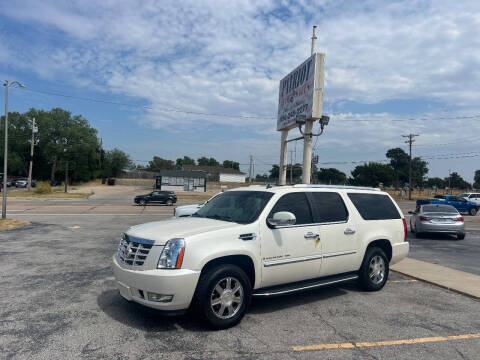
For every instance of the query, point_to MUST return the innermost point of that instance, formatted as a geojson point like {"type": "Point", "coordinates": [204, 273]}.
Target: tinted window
{"type": "Point", "coordinates": [297, 204]}
{"type": "Point", "coordinates": [439, 208]}
{"type": "Point", "coordinates": [238, 206]}
{"type": "Point", "coordinates": [328, 207]}
{"type": "Point", "coordinates": [374, 206]}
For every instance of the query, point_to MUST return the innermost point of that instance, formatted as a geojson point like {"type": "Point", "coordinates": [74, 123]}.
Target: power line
{"type": "Point", "coordinates": [335, 117]}
{"type": "Point", "coordinates": [147, 107]}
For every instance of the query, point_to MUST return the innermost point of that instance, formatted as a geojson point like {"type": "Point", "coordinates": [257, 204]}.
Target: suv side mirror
{"type": "Point", "coordinates": [282, 218]}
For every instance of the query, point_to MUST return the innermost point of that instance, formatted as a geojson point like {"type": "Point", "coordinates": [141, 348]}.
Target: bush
{"type": "Point", "coordinates": [43, 188]}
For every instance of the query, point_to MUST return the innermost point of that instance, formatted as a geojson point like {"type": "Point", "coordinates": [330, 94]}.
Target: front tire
{"type": "Point", "coordinates": [473, 212]}
{"type": "Point", "coordinates": [222, 296]}
{"type": "Point", "coordinates": [169, 202]}
{"type": "Point", "coordinates": [142, 202]}
{"type": "Point", "coordinates": [374, 270]}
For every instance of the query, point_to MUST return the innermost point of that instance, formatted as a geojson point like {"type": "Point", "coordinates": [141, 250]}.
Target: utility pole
{"type": "Point", "coordinates": [5, 155]}
{"type": "Point", "coordinates": [250, 170]}
{"type": "Point", "coordinates": [66, 176]}
{"type": "Point", "coordinates": [410, 141]}
{"type": "Point", "coordinates": [34, 130]}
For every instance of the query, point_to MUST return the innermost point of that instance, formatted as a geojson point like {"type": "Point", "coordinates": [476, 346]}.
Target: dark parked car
{"type": "Point", "coordinates": [157, 197]}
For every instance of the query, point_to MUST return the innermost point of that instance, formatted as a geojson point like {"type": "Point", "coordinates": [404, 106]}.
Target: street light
{"type": "Point", "coordinates": [7, 85]}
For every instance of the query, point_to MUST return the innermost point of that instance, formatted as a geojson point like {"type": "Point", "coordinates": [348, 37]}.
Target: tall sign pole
{"type": "Point", "coordinates": [300, 104]}
{"type": "Point", "coordinates": [307, 138]}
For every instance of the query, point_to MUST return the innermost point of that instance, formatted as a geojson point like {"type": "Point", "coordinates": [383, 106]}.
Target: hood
{"type": "Point", "coordinates": [162, 231]}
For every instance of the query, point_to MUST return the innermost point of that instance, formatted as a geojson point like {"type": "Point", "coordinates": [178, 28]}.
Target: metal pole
{"type": "Point", "coordinates": [314, 37]}
{"type": "Point", "coordinates": [66, 176]}
{"type": "Point", "coordinates": [31, 156]}
{"type": "Point", "coordinates": [307, 138]}
{"type": "Point", "coordinates": [282, 171]}
{"type": "Point", "coordinates": [5, 154]}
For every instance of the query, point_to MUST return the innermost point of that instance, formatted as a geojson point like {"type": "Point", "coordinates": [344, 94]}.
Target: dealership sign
{"type": "Point", "coordinates": [301, 92]}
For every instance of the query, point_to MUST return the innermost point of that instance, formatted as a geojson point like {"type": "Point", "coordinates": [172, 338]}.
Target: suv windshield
{"type": "Point", "coordinates": [241, 207]}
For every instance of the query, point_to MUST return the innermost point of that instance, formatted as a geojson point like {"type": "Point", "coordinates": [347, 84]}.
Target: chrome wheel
{"type": "Point", "coordinates": [227, 298]}
{"type": "Point", "coordinates": [376, 269]}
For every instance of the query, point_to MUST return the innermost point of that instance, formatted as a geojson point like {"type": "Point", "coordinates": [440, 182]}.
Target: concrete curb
{"type": "Point", "coordinates": [447, 278]}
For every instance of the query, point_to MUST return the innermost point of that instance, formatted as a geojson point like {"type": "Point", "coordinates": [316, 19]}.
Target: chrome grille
{"type": "Point", "coordinates": [133, 251]}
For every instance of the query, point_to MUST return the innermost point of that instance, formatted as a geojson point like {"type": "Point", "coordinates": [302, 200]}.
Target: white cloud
{"type": "Point", "coordinates": [227, 57]}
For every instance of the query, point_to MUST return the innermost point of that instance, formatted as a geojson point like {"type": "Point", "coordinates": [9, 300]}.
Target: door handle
{"type": "Point", "coordinates": [311, 235]}
{"type": "Point", "coordinates": [349, 231]}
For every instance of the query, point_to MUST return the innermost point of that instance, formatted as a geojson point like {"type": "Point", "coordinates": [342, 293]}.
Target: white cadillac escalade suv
{"type": "Point", "coordinates": [261, 241]}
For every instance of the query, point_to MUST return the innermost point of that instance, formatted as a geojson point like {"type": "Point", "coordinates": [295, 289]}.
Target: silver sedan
{"type": "Point", "coordinates": [437, 219]}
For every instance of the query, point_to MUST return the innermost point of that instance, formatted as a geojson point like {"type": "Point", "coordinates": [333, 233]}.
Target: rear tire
{"type": "Point", "coordinates": [473, 212]}
{"type": "Point", "coordinates": [374, 271]}
{"type": "Point", "coordinates": [411, 228]}
{"type": "Point", "coordinates": [222, 296]}
{"type": "Point", "coordinates": [460, 236]}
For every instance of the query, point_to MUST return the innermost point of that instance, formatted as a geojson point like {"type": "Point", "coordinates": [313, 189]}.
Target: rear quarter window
{"type": "Point", "coordinates": [374, 206]}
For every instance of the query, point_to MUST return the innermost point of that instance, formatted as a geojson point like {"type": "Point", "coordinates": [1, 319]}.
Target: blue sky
{"type": "Point", "coordinates": [386, 62]}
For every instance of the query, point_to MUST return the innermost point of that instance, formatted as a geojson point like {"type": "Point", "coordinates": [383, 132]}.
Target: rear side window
{"type": "Point", "coordinates": [374, 206]}
{"type": "Point", "coordinates": [297, 204]}
{"type": "Point", "coordinates": [328, 207]}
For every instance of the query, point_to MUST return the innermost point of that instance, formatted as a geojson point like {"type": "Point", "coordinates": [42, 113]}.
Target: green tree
{"type": "Point", "coordinates": [185, 161]}
{"type": "Point", "coordinates": [455, 181]}
{"type": "Point", "coordinates": [372, 174]}
{"type": "Point", "coordinates": [204, 161]}
{"type": "Point", "coordinates": [231, 164]}
{"type": "Point", "coordinates": [399, 161]}
{"type": "Point", "coordinates": [331, 176]}
{"type": "Point", "coordinates": [159, 163]}
{"type": "Point", "coordinates": [476, 179]}
{"type": "Point", "coordinates": [274, 171]}
{"type": "Point", "coordinates": [61, 138]}
{"type": "Point", "coordinates": [115, 162]}
{"type": "Point", "coordinates": [435, 182]}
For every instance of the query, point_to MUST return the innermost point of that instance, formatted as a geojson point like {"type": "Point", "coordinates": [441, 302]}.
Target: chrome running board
{"type": "Point", "coordinates": [304, 285]}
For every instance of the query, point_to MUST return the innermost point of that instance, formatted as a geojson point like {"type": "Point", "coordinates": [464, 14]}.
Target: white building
{"type": "Point", "coordinates": [219, 173]}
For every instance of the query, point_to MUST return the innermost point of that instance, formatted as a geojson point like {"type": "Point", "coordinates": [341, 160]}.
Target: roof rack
{"type": "Point", "coordinates": [336, 187]}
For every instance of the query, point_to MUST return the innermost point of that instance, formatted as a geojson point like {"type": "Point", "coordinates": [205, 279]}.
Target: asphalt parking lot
{"type": "Point", "coordinates": [60, 301]}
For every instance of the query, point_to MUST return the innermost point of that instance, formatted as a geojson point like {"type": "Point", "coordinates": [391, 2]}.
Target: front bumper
{"type": "Point", "coordinates": [134, 285]}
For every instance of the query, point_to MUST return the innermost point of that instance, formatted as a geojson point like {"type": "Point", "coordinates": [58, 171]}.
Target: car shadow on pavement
{"type": "Point", "coordinates": [150, 320]}
{"type": "Point", "coordinates": [435, 236]}
{"type": "Point", "coordinates": [141, 317]}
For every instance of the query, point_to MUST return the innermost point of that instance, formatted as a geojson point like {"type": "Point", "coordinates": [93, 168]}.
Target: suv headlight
{"type": "Point", "coordinates": [172, 254]}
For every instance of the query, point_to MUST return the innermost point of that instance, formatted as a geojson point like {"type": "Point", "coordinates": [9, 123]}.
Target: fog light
{"type": "Point", "coordinates": [159, 297]}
